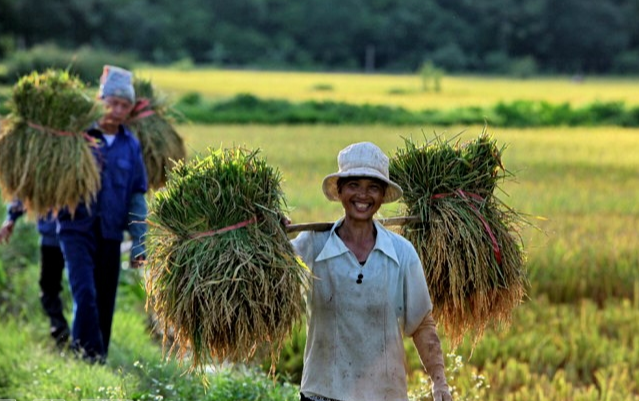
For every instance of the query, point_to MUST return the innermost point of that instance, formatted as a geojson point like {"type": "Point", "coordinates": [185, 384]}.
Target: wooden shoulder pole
{"type": "Point", "coordinates": [392, 221]}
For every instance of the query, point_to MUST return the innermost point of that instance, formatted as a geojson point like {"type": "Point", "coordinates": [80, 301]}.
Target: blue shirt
{"type": "Point", "coordinates": [15, 210]}
{"type": "Point", "coordinates": [122, 174]}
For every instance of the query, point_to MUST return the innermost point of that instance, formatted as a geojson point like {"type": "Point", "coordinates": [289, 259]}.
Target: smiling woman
{"type": "Point", "coordinates": [369, 287]}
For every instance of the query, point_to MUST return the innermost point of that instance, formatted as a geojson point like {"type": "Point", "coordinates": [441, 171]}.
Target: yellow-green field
{"type": "Point", "coordinates": [457, 91]}
{"type": "Point", "coordinates": [579, 186]}
{"type": "Point", "coordinates": [559, 171]}
{"type": "Point", "coordinates": [575, 337]}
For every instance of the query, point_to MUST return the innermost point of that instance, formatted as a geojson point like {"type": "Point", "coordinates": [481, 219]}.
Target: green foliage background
{"type": "Point", "coordinates": [519, 38]}
{"type": "Point", "coordinates": [249, 109]}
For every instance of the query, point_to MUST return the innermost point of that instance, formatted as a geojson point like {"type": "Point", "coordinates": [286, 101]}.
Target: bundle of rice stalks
{"type": "Point", "coordinates": [161, 144]}
{"type": "Point", "coordinates": [222, 275]}
{"type": "Point", "coordinates": [45, 155]}
{"type": "Point", "coordinates": [468, 239]}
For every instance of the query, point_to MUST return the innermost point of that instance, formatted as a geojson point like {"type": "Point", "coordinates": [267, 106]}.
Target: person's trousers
{"type": "Point", "coordinates": [93, 264]}
{"type": "Point", "coordinates": [51, 270]}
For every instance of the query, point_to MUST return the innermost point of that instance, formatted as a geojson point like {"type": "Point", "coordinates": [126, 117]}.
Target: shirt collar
{"type": "Point", "coordinates": [334, 246]}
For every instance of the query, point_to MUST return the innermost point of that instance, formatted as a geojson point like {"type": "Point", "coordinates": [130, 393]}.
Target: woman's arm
{"type": "Point", "coordinates": [137, 228]}
{"type": "Point", "coordinates": [430, 352]}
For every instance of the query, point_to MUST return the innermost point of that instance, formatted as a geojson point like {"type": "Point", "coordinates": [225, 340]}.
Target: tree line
{"type": "Point", "coordinates": [487, 36]}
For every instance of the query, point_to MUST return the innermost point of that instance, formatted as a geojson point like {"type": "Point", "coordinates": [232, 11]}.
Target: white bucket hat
{"type": "Point", "coordinates": [363, 159]}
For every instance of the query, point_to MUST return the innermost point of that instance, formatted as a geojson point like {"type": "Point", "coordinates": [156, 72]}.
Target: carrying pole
{"type": "Point", "coordinates": [392, 221]}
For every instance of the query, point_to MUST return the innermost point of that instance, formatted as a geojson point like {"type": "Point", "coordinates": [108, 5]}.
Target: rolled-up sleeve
{"type": "Point", "coordinates": [136, 224]}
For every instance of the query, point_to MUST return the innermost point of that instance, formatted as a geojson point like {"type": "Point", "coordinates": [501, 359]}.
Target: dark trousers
{"type": "Point", "coordinates": [51, 270]}
{"type": "Point", "coordinates": [93, 264]}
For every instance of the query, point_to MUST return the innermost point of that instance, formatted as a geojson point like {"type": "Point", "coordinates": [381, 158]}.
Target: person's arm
{"type": "Point", "coordinates": [430, 352]}
{"type": "Point", "coordinates": [14, 211]}
{"type": "Point", "coordinates": [138, 210]}
{"type": "Point", "coordinates": [137, 228]}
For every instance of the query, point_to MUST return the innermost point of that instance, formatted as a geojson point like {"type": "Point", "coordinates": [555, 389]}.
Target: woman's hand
{"type": "Point", "coordinates": [137, 262]}
{"type": "Point", "coordinates": [441, 392]}
{"type": "Point", "coordinates": [284, 220]}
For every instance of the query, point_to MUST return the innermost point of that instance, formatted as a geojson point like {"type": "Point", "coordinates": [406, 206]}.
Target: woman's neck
{"type": "Point", "coordinates": [357, 231]}
{"type": "Point", "coordinates": [359, 237]}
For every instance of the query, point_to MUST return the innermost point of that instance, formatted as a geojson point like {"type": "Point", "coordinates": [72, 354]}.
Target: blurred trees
{"type": "Point", "coordinates": [488, 36]}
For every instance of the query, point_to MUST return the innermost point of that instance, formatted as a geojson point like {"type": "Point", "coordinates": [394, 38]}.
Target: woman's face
{"type": "Point", "coordinates": [362, 197]}
{"type": "Point", "coordinates": [117, 110]}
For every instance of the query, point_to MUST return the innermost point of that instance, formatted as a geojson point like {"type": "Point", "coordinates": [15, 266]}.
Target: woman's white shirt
{"type": "Point", "coordinates": [354, 347]}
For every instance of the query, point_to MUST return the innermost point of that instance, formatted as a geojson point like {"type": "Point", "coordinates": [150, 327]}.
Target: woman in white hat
{"type": "Point", "coordinates": [368, 290]}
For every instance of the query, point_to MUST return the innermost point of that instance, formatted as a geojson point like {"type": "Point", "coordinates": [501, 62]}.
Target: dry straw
{"type": "Point", "coordinates": [45, 155]}
{"type": "Point", "coordinates": [223, 277]}
{"type": "Point", "coordinates": [468, 239]}
{"type": "Point", "coordinates": [161, 144]}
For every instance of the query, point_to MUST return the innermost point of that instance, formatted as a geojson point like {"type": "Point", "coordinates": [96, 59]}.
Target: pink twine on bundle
{"type": "Point", "coordinates": [225, 229]}
{"type": "Point", "coordinates": [465, 195]}
{"type": "Point", "coordinates": [137, 113]}
{"type": "Point", "coordinates": [92, 141]}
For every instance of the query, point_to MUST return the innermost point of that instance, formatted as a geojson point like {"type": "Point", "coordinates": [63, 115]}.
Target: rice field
{"type": "Point", "coordinates": [558, 170]}
{"type": "Point", "coordinates": [393, 90]}
{"type": "Point", "coordinates": [579, 187]}
{"type": "Point", "coordinates": [573, 337]}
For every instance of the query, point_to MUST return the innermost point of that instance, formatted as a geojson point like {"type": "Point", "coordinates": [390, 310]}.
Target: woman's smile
{"type": "Point", "coordinates": [361, 197]}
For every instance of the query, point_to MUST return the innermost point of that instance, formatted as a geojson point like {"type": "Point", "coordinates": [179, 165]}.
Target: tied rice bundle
{"type": "Point", "coordinates": [45, 156]}
{"type": "Point", "coordinates": [468, 239]}
{"type": "Point", "coordinates": [223, 277]}
{"type": "Point", "coordinates": [160, 142]}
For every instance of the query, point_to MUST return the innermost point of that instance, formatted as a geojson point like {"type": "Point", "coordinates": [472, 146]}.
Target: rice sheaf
{"type": "Point", "coordinates": [45, 158]}
{"type": "Point", "coordinates": [222, 276]}
{"type": "Point", "coordinates": [468, 240]}
{"type": "Point", "coordinates": [161, 144]}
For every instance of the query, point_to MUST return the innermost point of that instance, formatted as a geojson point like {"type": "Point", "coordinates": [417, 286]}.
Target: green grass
{"type": "Point", "coordinates": [31, 367]}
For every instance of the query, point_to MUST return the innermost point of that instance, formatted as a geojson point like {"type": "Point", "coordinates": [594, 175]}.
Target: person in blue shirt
{"type": "Point", "coordinates": [90, 237]}
{"type": "Point", "coordinates": [52, 260]}
{"type": "Point", "coordinates": [51, 269]}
